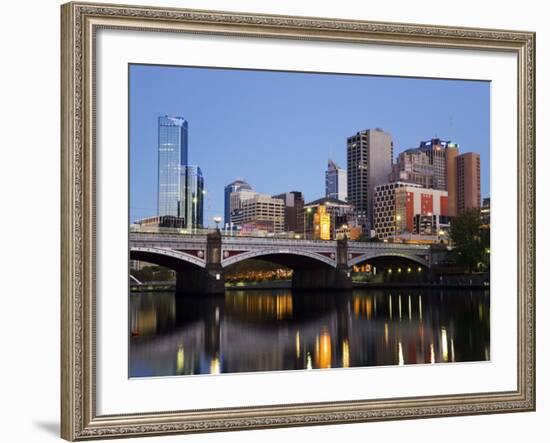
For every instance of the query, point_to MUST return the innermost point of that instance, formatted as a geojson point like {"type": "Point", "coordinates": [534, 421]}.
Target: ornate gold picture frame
{"type": "Point", "coordinates": [80, 23]}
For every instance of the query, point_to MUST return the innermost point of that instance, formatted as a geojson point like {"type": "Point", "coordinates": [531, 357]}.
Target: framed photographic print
{"type": "Point", "coordinates": [281, 221]}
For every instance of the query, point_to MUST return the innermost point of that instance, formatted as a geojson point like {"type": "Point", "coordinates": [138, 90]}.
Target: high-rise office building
{"type": "Point", "coordinates": [336, 182]}
{"type": "Point", "coordinates": [294, 207]}
{"type": "Point", "coordinates": [413, 166]}
{"type": "Point", "coordinates": [369, 163]}
{"type": "Point", "coordinates": [451, 153]}
{"type": "Point", "coordinates": [191, 206]}
{"type": "Point", "coordinates": [235, 186]}
{"type": "Point", "coordinates": [260, 212]}
{"type": "Point", "coordinates": [172, 155]}
{"type": "Point", "coordinates": [468, 181]}
{"type": "Point", "coordinates": [236, 200]}
{"type": "Point", "coordinates": [435, 149]}
{"type": "Point", "coordinates": [180, 186]}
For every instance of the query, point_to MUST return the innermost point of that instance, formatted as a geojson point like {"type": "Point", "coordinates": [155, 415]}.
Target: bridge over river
{"type": "Point", "coordinates": [201, 261]}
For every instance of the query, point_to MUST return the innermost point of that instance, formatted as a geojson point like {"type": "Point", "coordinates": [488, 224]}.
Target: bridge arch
{"type": "Point", "coordinates": [373, 255]}
{"type": "Point", "coordinates": [169, 258]}
{"type": "Point", "coordinates": [268, 253]}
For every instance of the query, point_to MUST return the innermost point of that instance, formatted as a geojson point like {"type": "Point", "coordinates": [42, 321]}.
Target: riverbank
{"type": "Point", "coordinates": [287, 284]}
{"type": "Point", "coordinates": [420, 285]}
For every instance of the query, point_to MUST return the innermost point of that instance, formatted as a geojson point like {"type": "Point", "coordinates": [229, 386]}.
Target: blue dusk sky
{"type": "Point", "coordinates": [277, 130]}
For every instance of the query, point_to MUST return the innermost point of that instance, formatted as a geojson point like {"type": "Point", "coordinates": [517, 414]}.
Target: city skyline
{"type": "Point", "coordinates": [242, 140]}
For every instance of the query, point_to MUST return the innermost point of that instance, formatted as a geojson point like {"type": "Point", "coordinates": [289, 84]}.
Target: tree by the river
{"type": "Point", "coordinates": [471, 241]}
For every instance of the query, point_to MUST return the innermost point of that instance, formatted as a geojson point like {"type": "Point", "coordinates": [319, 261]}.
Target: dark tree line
{"type": "Point", "coordinates": [471, 241]}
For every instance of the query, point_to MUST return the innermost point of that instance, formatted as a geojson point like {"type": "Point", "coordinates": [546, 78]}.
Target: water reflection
{"type": "Point", "coordinates": [280, 330]}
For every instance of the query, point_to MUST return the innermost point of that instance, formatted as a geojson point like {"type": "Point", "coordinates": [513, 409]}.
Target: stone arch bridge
{"type": "Point", "coordinates": [200, 261]}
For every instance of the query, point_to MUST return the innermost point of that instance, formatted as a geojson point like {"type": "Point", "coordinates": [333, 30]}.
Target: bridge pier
{"type": "Point", "coordinates": [200, 281]}
{"type": "Point", "coordinates": [338, 278]}
{"type": "Point", "coordinates": [209, 280]}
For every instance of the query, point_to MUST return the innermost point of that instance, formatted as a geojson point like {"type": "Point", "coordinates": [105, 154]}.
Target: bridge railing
{"type": "Point", "coordinates": [188, 233]}
{"type": "Point", "coordinates": [382, 245]}
{"type": "Point", "coordinates": [228, 240]}
{"type": "Point", "coordinates": [175, 234]}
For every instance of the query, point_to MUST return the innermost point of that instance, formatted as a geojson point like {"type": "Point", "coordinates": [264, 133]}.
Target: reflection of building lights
{"type": "Point", "coordinates": [452, 350]}
{"type": "Point", "coordinates": [410, 308]}
{"type": "Point", "coordinates": [215, 365]}
{"type": "Point", "coordinates": [180, 359]}
{"type": "Point", "coordinates": [390, 308]}
{"type": "Point", "coordinates": [283, 306]}
{"type": "Point", "coordinates": [323, 350]}
{"type": "Point", "coordinates": [308, 361]}
{"type": "Point", "coordinates": [432, 354]}
{"type": "Point", "coordinates": [297, 344]}
{"type": "Point", "coordinates": [444, 349]}
{"type": "Point", "coordinates": [400, 315]}
{"type": "Point", "coordinates": [420, 307]}
{"type": "Point", "coordinates": [345, 353]}
{"type": "Point", "coordinates": [386, 334]}
{"type": "Point", "coordinates": [401, 360]}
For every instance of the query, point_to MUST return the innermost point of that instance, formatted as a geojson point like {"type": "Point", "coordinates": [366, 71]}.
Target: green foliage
{"type": "Point", "coordinates": [471, 242]}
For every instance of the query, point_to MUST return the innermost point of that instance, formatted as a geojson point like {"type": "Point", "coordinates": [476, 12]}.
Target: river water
{"type": "Point", "coordinates": [274, 330]}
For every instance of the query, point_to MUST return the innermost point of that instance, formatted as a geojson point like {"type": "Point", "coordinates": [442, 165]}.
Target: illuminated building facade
{"type": "Point", "coordinates": [396, 205]}
{"type": "Point", "coordinates": [341, 214]}
{"type": "Point", "coordinates": [321, 224]}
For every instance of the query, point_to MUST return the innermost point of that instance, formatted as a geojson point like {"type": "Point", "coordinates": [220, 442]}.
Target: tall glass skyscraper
{"type": "Point", "coordinates": [336, 182]}
{"type": "Point", "coordinates": [191, 204]}
{"type": "Point", "coordinates": [172, 155]}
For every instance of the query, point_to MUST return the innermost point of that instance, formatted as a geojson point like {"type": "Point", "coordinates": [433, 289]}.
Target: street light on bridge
{"type": "Point", "coordinates": [217, 219]}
